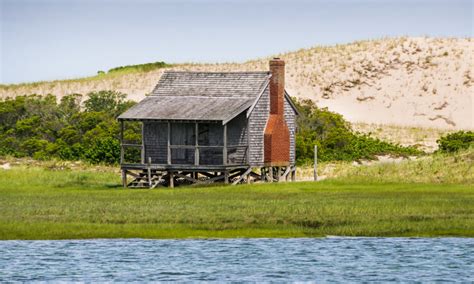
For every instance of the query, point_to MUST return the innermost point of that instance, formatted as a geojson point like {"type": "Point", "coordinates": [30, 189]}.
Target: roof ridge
{"type": "Point", "coordinates": [201, 96]}
{"type": "Point", "coordinates": [217, 72]}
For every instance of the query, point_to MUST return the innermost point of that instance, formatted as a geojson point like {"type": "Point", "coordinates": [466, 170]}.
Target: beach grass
{"type": "Point", "coordinates": [42, 203]}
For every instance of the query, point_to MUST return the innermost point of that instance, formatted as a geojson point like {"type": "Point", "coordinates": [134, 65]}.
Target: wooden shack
{"type": "Point", "coordinates": [202, 127]}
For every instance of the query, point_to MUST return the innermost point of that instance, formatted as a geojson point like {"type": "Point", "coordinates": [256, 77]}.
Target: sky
{"type": "Point", "coordinates": [58, 39]}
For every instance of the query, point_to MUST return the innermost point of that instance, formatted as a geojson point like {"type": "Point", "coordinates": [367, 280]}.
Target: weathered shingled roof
{"type": "Point", "coordinates": [211, 84]}
{"type": "Point", "coordinates": [200, 96]}
{"type": "Point", "coordinates": [188, 108]}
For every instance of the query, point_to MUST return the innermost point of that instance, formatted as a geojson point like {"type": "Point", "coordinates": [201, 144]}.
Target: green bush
{"type": "Point", "coordinates": [103, 150]}
{"type": "Point", "coordinates": [140, 67]}
{"type": "Point", "coordinates": [335, 139]}
{"type": "Point", "coordinates": [39, 127]}
{"type": "Point", "coordinates": [456, 141]}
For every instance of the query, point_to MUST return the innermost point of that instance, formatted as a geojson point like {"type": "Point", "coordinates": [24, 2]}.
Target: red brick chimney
{"type": "Point", "coordinates": [277, 135]}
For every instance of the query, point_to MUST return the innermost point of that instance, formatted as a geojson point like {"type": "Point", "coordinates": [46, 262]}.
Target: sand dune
{"type": "Point", "coordinates": [423, 82]}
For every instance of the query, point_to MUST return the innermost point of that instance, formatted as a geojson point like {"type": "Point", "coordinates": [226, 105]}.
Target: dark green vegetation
{"type": "Point", "coordinates": [36, 203]}
{"type": "Point", "coordinates": [335, 139]}
{"type": "Point", "coordinates": [138, 67]}
{"type": "Point", "coordinates": [39, 127]}
{"type": "Point", "coordinates": [456, 141]}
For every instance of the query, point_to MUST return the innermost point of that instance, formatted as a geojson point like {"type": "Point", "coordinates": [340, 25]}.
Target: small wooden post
{"type": "Point", "coordinates": [270, 173]}
{"type": "Point", "coordinates": [315, 162]}
{"type": "Point", "coordinates": [278, 174]}
{"type": "Point", "coordinates": [149, 172]}
{"type": "Point", "coordinates": [293, 174]}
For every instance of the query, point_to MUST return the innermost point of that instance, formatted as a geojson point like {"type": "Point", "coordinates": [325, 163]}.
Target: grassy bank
{"type": "Point", "coordinates": [39, 203]}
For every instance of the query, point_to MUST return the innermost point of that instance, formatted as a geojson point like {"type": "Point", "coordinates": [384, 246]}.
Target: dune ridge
{"type": "Point", "coordinates": [422, 82]}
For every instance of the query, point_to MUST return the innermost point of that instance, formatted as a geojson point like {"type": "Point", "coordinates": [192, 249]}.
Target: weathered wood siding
{"type": "Point", "coordinates": [257, 122]}
{"type": "Point", "coordinates": [155, 138]}
{"type": "Point", "coordinates": [290, 118]}
{"type": "Point", "coordinates": [237, 136]}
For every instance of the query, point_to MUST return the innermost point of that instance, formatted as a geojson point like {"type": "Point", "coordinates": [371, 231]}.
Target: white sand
{"type": "Point", "coordinates": [422, 82]}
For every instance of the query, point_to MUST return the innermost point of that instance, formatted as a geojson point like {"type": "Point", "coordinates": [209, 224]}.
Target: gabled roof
{"type": "Point", "coordinates": [211, 84]}
{"type": "Point", "coordinates": [218, 96]}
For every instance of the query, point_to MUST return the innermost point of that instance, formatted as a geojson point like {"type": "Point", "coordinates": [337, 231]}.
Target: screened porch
{"type": "Point", "coordinates": [185, 143]}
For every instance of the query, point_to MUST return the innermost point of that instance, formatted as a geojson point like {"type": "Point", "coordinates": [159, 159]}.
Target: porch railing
{"type": "Point", "coordinates": [187, 155]}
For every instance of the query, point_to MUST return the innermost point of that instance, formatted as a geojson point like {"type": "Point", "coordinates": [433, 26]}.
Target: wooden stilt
{"type": "Point", "coordinates": [293, 173]}
{"type": "Point", "coordinates": [226, 177]}
{"type": "Point", "coordinates": [171, 181]}
{"type": "Point", "coordinates": [149, 172]}
{"type": "Point", "coordinates": [286, 173]}
{"type": "Point", "coordinates": [124, 178]}
{"type": "Point", "coordinates": [278, 174]}
{"type": "Point", "coordinates": [270, 173]}
{"type": "Point", "coordinates": [243, 175]}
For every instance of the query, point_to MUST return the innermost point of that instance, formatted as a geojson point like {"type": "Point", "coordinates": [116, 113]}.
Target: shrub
{"type": "Point", "coordinates": [140, 67]}
{"type": "Point", "coordinates": [39, 127]}
{"type": "Point", "coordinates": [110, 102]}
{"type": "Point", "coordinates": [103, 150]}
{"type": "Point", "coordinates": [456, 141]}
{"type": "Point", "coordinates": [335, 139]}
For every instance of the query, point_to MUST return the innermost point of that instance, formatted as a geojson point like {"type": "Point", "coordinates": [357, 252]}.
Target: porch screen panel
{"type": "Point", "coordinates": [155, 138]}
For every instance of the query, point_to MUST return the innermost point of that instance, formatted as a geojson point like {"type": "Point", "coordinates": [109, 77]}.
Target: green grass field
{"type": "Point", "coordinates": [40, 203]}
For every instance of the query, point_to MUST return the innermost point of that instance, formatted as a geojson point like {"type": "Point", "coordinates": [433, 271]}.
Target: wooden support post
{"type": "Point", "coordinates": [226, 177]}
{"type": "Point", "coordinates": [169, 144]}
{"type": "Point", "coordinates": [243, 175]}
{"type": "Point", "coordinates": [248, 177]}
{"type": "Point", "coordinates": [142, 153]}
{"type": "Point", "coordinates": [171, 181]}
{"type": "Point", "coordinates": [149, 172]}
{"type": "Point", "coordinates": [293, 173]}
{"type": "Point", "coordinates": [121, 142]}
{"type": "Point", "coordinates": [270, 173]}
{"type": "Point", "coordinates": [224, 153]}
{"type": "Point", "coordinates": [315, 162]}
{"type": "Point", "coordinates": [124, 178]}
{"type": "Point", "coordinates": [278, 174]}
{"type": "Point", "coordinates": [196, 143]}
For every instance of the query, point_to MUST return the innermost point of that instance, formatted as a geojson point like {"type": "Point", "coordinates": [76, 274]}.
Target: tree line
{"type": "Point", "coordinates": [86, 128]}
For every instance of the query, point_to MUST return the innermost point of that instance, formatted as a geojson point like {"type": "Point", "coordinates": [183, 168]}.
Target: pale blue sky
{"type": "Point", "coordinates": [57, 39]}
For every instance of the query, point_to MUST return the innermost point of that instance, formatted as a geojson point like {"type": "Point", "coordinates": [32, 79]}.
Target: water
{"type": "Point", "coordinates": [318, 260]}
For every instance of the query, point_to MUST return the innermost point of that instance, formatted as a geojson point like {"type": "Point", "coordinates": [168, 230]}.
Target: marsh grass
{"type": "Point", "coordinates": [39, 203]}
{"type": "Point", "coordinates": [437, 168]}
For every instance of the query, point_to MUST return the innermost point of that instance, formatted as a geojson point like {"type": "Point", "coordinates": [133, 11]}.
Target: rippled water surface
{"type": "Point", "coordinates": [319, 260]}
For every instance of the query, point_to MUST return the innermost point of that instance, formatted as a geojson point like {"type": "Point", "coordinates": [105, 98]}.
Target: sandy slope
{"type": "Point", "coordinates": [424, 82]}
